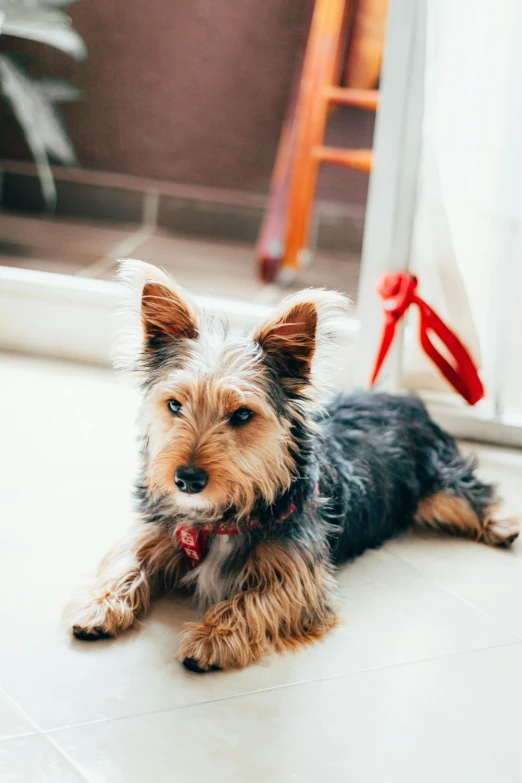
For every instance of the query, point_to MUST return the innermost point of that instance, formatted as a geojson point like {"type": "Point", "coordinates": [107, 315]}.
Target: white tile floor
{"type": "Point", "coordinates": [422, 682]}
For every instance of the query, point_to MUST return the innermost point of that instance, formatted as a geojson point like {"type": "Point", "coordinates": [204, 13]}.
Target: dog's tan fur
{"type": "Point", "coordinates": [143, 565]}
{"type": "Point", "coordinates": [258, 453]}
{"type": "Point", "coordinates": [211, 382]}
{"type": "Point", "coordinates": [285, 601]}
{"type": "Point", "coordinates": [449, 514]}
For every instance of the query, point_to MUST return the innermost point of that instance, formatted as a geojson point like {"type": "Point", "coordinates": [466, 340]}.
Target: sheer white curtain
{"type": "Point", "coordinates": [467, 237]}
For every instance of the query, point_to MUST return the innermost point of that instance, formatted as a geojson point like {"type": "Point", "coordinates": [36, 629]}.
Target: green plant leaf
{"type": "Point", "coordinates": [59, 90]}
{"type": "Point", "coordinates": [43, 24]}
{"type": "Point", "coordinates": [32, 12]}
{"type": "Point", "coordinates": [40, 122]}
{"type": "Point", "coordinates": [59, 3]}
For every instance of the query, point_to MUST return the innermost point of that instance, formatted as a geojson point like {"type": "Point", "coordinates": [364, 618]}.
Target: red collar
{"type": "Point", "coordinates": [194, 540]}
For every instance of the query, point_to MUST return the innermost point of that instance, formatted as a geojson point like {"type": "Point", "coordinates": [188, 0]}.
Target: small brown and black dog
{"type": "Point", "coordinates": [253, 488]}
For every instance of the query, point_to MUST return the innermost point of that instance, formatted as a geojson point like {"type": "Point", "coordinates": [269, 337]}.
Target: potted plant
{"type": "Point", "coordinates": [34, 100]}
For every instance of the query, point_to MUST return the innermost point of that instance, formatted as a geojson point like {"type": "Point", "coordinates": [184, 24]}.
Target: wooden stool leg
{"type": "Point", "coordinates": [270, 247]}
{"type": "Point", "coordinates": [320, 65]}
{"type": "Point", "coordinates": [271, 242]}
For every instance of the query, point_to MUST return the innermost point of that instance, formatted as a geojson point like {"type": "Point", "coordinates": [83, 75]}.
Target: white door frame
{"type": "Point", "coordinates": [389, 222]}
{"type": "Point", "coordinates": [392, 193]}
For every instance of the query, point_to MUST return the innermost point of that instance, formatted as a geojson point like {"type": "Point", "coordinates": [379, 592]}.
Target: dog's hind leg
{"type": "Point", "coordinates": [448, 513]}
{"type": "Point", "coordinates": [461, 504]}
{"type": "Point", "coordinates": [143, 564]}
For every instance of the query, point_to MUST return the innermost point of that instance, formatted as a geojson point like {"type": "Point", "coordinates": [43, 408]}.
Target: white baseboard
{"type": "Point", "coordinates": [478, 423]}
{"type": "Point", "coordinates": [67, 317]}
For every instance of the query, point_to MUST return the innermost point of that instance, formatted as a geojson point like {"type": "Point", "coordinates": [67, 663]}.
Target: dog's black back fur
{"type": "Point", "coordinates": [376, 458]}
{"type": "Point", "coordinates": [385, 455]}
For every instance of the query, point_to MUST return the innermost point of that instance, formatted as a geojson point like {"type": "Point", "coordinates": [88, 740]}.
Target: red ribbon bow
{"type": "Point", "coordinates": [398, 292]}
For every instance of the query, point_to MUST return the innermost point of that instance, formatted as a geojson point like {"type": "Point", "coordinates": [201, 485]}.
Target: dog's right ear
{"type": "Point", "coordinates": [166, 312]}
{"type": "Point", "coordinates": [297, 341]}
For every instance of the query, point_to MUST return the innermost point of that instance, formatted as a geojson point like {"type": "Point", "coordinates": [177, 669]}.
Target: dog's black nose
{"type": "Point", "coordinates": [192, 480]}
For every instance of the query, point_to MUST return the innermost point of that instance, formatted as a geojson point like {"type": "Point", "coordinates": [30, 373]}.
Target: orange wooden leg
{"type": "Point", "coordinates": [271, 241]}
{"type": "Point", "coordinates": [319, 71]}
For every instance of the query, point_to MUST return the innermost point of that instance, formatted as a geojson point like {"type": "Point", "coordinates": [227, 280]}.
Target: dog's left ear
{"type": "Point", "coordinates": [301, 332]}
{"type": "Point", "coordinates": [159, 313]}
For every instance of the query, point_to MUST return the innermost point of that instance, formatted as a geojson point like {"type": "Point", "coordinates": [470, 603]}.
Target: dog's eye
{"type": "Point", "coordinates": [174, 407]}
{"type": "Point", "coordinates": [241, 416]}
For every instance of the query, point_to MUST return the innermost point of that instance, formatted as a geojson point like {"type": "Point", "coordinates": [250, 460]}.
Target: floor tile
{"type": "Point", "coordinates": [454, 719]}
{"type": "Point", "coordinates": [57, 244]}
{"type": "Point", "coordinates": [62, 234]}
{"type": "Point", "coordinates": [12, 722]}
{"type": "Point", "coordinates": [392, 616]}
{"type": "Point", "coordinates": [41, 263]}
{"type": "Point", "coordinates": [34, 760]}
{"type": "Point", "coordinates": [79, 199]}
{"type": "Point", "coordinates": [204, 266]}
{"type": "Point", "coordinates": [69, 433]}
{"type": "Point", "coordinates": [228, 269]}
{"type": "Point", "coordinates": [207, 219]}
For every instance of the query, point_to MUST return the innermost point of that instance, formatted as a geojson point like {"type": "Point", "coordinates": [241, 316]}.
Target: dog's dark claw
{"type": "Point", "coordinates": [193, 666]}
{"type": "Point", "coordinates": [90, 636]}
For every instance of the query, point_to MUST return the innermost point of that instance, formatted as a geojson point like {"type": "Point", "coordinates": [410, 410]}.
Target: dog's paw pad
{"type": "Point", "coordinates": [193, 666]}
{"type": "Point", "coordinates": [90, 635]}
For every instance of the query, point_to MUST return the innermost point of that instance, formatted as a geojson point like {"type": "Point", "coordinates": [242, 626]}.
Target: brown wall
{"type": "Point", "coordinates": [191, 91]}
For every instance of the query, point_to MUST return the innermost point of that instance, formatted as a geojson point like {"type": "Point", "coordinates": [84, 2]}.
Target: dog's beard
{"type": "Point", "coordinates": [187, 502]}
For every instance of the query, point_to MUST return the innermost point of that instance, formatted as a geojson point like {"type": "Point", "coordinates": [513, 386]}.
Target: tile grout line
{"type": "Point", "coordinates": [39, 733]}
{"type": "Point", "coordinates": [20, 709]}
{"type": "Point", "coordinates": [122, 249]}
{"type": "Point", "coordinates": [20, 735]}
{"type": "Point", "coordinates": [63, 753]}
{"type": "Point", "coordinates": [283, 686]}
{"type": "Point", "coordinates": [460, 598]}
{"type": "Point", "coordinates": [151, 201]}
{"type": "Point", "coordinates": [471, 605]}
{"type": "Point", "coordinates": [149, 223]}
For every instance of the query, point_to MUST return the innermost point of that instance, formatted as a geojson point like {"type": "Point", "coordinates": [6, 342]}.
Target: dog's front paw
{"type": "Point", "coordinates": [199, 650]}
{"type": "Point", "coordinates": [90, 634]}
{"type": "Point", "coordinates": [97, 614]}
{"type": "Point", "coordinates": [207, 647]}
{"type": "Point", "coordinates": [194, 666]}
